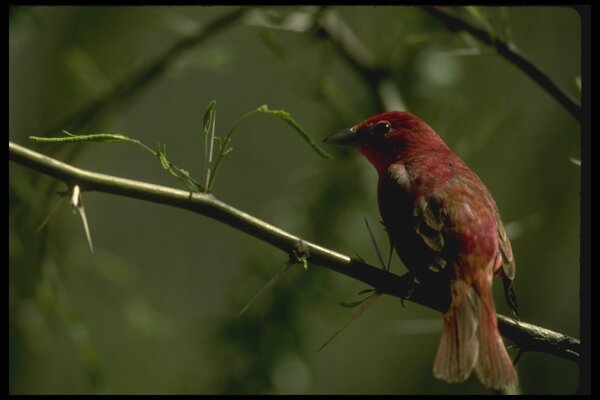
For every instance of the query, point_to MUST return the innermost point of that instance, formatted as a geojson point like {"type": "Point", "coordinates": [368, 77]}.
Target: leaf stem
{"type": "Point", "coordinates": [223, 149]}
{"type": "Point", "coordinates": [211, 142]}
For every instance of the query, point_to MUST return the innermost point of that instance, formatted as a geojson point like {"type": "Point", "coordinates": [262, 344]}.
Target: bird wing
{"type": "Point", "coordinates": [508, 261]}
{"type": "Point", "coordinates": [415, 224]}
{"type": "Point", "coordinates": [473, 182]}
{"type": "Point", "coordinates": [504, 258]}
{"type": "Point", "coordinates": [438, 206]}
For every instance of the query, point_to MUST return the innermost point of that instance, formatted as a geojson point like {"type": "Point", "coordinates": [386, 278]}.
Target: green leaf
{"type": "Point", "coordinates": [353, 304]}
{"type": "Point", "coordinates": [209, 141]}
{"type": "Point", "coordinates": [174, 170]}
{"type": "Point", "coordinates": [287, 117]}
{"type": "Point", "coordinates": [97, 138]}
{"type": "Point", "coordinates": [366, 291]}
{"type": "Point", "coordinates": [209, 116]}
{"type": "Point", "coordinates": [162, 156]}
{"type": "Point", "coordinates": [225, 147]}
{"type": "Point", "coordinates": [476, 13]}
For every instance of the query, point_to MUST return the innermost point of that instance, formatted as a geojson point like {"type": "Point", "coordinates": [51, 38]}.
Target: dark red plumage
{"type": "Point", "coordinates": [446, 228]}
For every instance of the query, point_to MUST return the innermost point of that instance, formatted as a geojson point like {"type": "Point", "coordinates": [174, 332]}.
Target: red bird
{"type": "Point", "coordinates": [446, 228]}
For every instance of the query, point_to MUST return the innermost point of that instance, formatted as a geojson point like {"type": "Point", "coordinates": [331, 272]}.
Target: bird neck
{"type": "Point", "coordinates": [383, 158]}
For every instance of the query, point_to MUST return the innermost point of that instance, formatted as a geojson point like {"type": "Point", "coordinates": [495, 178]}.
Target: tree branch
{"type": "Point", "coordinates": [512, 54]}
{"type": "Point", "coordinates": [133, 84]}
{"type": "Point", "coordinates": [528, 337]}
{"type": "Point", "coordinates": [384, 92]}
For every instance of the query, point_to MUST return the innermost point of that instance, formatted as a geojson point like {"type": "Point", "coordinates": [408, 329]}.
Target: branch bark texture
{"type": "Point", "coordinates": [526, 336]}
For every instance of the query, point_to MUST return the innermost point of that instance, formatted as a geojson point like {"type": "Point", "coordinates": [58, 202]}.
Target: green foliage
{"type": "Point", "coordinates": [225, 143]}
{"type": "Point", "coordinates": [209, 118]}
{"type": "Point", "coordinates": [478, 14]}
{"type": "Point", "coordinates": [83, 324]}
{"type": "Point", "coordinates": [209, 122]}
{"type": "Point", "coordinates": [287, 117]}
{"type": "Point", "coordinates": [174, 170]}
{"type": "Point", "coordinates": [94, 138]}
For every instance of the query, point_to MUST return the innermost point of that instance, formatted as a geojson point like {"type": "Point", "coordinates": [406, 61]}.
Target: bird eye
{"type": "Point", "coordinates": [381, 128]}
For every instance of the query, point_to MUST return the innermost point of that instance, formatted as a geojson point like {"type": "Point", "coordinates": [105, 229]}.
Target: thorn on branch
{"type": "Point", "coordinates": [366, 303]}
{"type": "Point", "coordinates": [53, 210]}
{"type": "Point", "coordinates": [518, 357]}
{"type": "Point", "coordinates": [77, 204]}
{"type": "Point", "coordinates": [276, 278]}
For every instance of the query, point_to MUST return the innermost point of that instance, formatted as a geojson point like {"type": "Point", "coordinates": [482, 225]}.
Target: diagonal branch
{"type": "Point", "coordinates": [134, 83]}
{"type": "Point", "coordinates": [384, 92]}
{"type": "Point", "coordinates": [528, 337]}
{"type": "Point", "coordinates": [512, 54]}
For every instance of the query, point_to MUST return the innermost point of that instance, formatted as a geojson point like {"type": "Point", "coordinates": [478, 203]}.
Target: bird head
{"type": "Point", "coordinates": [388, 137]}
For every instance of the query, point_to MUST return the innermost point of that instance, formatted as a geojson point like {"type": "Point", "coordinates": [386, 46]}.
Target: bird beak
{"type": "Point", "coordinates": [346, 138]}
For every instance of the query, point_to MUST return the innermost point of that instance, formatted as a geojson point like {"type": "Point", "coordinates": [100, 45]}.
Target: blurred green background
{"type": "Point", "coordinates": [153, 310]}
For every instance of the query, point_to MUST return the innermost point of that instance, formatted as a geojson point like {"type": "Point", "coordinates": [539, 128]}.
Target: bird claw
{"type": "Point", "coordinates": [511, 297]}
{"type": "Point", "coordinates": [410, 285]}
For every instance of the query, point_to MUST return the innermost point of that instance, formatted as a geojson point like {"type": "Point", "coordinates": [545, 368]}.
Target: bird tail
{"type": "Point", "coordinates": [470, 340]}
{"type": "Point", "coordinates": [459, 344]}
{"type": "Point", "coordinates": [494, 367]}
